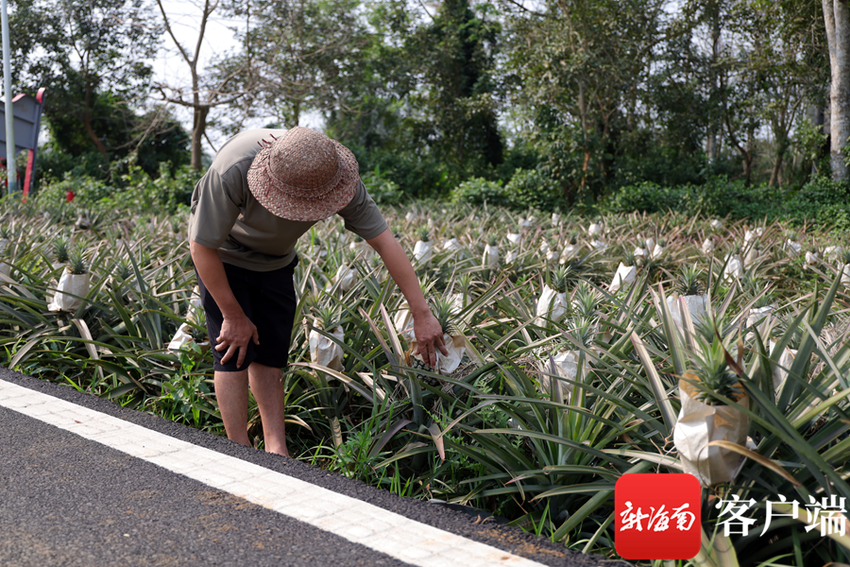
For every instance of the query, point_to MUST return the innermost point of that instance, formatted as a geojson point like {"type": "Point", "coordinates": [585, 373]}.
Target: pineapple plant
{"type": "Point", "coordinates": [324, 351]}
{"type": "Point", "coordinates": [443, 310]}
{"type": "Point", "coordinates": [77, 263]}
{"type": "Point", "coordinates": [422, 249]}
{"type": "Point", "coordinates": [690, 280]}
{"type": "Point", "coordinates": [74, 283]}
{"type": "Point", "coordinates": [61, 250]}
{"type": "Point", "coordinates": [712, 371]}
{"type": "Point", "coordinates": [585, 301]}
{"type": "Point", "coordinates": [705, 417]}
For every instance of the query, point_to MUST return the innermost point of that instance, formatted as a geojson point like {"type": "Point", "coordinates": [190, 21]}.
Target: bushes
{"type": "Point", "coordinates": [527, 189]}
{"type": "Point", "coordinates": [477, 191]}
{"type": "Point", "coordinates": [646, 197]}
{"type": "Point", "coordinates": [134, 191]}
{"type": "Point", "coordinates": [821, 200]}
{"type": "Point", "coordinates": [531, 189]}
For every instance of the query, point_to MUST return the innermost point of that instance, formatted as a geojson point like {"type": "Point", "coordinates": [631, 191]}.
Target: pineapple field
{"type": "Point", "coordinates": [580, 349]}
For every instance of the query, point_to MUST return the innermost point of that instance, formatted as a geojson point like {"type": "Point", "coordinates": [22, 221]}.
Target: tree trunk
{"type": "Point", "coordinates": [87, 121]}
{"type": "Point", "coordinates": [836, 14]}
{"type": "Point", "coordinates": [199, 126]}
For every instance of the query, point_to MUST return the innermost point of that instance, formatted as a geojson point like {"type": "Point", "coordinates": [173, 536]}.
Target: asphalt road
{"type": "Point", "coordinates": [66, 500]}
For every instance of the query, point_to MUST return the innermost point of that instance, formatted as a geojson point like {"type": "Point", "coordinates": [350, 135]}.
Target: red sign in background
{"type": "Point", "coordinates": [657, 516]}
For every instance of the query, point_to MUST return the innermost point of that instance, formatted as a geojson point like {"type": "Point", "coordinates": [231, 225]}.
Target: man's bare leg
{"type": "Point", "coordinates": [267, 386]}
{"type": "Point", "coordinates": [231, 392]}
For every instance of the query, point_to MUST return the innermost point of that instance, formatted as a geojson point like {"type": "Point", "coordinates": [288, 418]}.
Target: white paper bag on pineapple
{"type": "Point", "coordinates": [514, 237]}
{"type": "Point", "coordinates": [446, 363]}
{"type": "Point", "coordinates": [786, 359]}
{"type": "Point", "coordinates": [811, 258]}
{"type": "Point", "coordinates": [563, 365]}
{"type": "Point", "coordinates": [362, 248]}
{"type": "Point", "coordinates": [511, 256]}
{"type": "Point", "coordinates": [568, 252]}
{"type": "Point", "coordinates": [696, 308]}
{"type": "Point", "coordinates": [833, 253]}
{"type": "Point", "coordinates": [753, 255]}
{"type": "Point", "coordinates": [76, 284]}
{"type": "Point", "coordinates": [346, 277]}
{"type": "Point", "coordinates": [845, 276]}
{"type": "Point", "coordinates": [403, 323]}
{"type": "Point", "coordinates": [181, 338]}
{"type": "Point", "coordinates": [708, 246]}
{"type": "Point", "coordinates": [452, 244]}
{"type": "Point", "coordinates": [594, 229]}
{"type": "Point", "coordinates": [698, 425]}
{"type": "Point", "coordinates": [599, 245]}
{"type": "Point", "coordinates": [734, 268]}
{"type": "Point", "coordinates": [196, 307]}
{"type": "Point", "coordinates": [758, 313]}
{"type": "Point", "coordinates": [552, 305]}
{"type": "Point", "coordinates": [324, 351]}
{"type": "Point", "coordinates": [624, 277]}
{"type": "Point", "coordinates": [751, 235]}
{"type": "Point", "coordinates": [422, 251]}
{"type": "Point", "coordinates": [793, 248]}
{"type": "Point", "coordinates": [657, 250]}
{"type": "Point", "coordinates": [410, 216]}
{"type": "Point", "coordinates": [490, 260]}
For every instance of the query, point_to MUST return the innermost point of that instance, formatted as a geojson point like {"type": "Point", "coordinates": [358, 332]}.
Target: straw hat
{"type": "Point", "coordinates": [303, 176]}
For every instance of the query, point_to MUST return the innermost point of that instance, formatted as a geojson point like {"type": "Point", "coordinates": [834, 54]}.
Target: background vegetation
{"type": "Point", "coordinates": [559, 104]}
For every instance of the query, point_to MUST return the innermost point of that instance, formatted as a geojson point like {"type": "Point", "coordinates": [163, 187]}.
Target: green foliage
{"type": "Point", "coordinates": [532, 189]}
{"type": "Point", "coordinates": [645, 197]}
{"type": "Point", "coordinates": [477, 191]}
{"type": "Point", "coordinates": [381, 188]}
{"type": "Point", "coordinates": [821, 200]}
{"type": "Point", "coordinates": [134, 191]}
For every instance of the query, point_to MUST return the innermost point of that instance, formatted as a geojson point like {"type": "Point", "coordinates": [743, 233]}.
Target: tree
{"type": "Point", "coordinates": [206, 92]}
{"type": "Point", "coordinates": [455, 62]}
{"type": "Point", "coordinates": [582, 66]}
{"type": "Point", "coordinates": [836, 15]}
{"type": "Point", "coordinates": [92, 54]}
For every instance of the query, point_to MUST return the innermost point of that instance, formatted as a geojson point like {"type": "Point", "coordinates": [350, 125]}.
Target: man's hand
{"type": "Point", "coordinates": [429, 337]}
{"type": "Point", "coordinates": [234, 336]}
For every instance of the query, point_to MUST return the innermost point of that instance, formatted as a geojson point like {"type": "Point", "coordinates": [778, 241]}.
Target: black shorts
{"type": "Point", "coordinates": [268, 300]}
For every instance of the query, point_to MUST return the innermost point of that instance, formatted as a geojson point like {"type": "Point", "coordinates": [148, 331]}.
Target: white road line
{"type": "Point", "coordinates": [352, 519]}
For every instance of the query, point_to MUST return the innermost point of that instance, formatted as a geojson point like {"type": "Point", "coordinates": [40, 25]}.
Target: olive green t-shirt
{"type": "Point", "coordinates": [227, 217]}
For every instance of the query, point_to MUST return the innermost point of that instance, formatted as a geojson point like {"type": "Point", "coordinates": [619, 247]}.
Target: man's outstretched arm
{"type": "Point", "coordinates": [428, 332]}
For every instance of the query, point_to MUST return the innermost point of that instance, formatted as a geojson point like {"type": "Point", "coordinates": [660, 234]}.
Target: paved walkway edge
{"type": "Point", "coordinates": [357, 521]}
